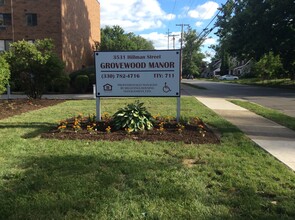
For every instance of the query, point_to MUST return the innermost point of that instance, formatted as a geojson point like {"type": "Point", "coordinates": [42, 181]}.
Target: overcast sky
{"type": "Point", "coordinates": [152, 18]}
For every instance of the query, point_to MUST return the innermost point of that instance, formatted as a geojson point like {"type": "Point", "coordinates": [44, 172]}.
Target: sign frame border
{"type": "Point", "coordinates": [160, 96]}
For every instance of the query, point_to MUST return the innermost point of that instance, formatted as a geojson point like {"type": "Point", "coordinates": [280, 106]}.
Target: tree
{"type": "Point", "coordinates": [224, 68]}
{"type": "Point", "coordinates": [269, 66]}
{"type": "Point", "coordinates": [115, 39]}
{"type": "Point", "coordinates": [141, 43]}
{"type": "Point", "coordinates": [4, 74]}
{"type": "Point", "coordinates": [253, 28]}
{"type": "Point", "coordinates": [191, 54]}
{"type": "Point", "coordinates": [33, 65]}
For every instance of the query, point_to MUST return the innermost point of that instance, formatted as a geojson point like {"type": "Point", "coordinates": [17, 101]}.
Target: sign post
{"type": "Point", "coordinates": [154, 73]}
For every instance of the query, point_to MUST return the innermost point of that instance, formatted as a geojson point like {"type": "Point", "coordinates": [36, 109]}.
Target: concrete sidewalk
{"type": "Point", "coordinates": [272, 137]}
{"type": "Point", "coordinates": [275, 139]}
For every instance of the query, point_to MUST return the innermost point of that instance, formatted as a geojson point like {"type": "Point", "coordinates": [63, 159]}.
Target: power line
{"type": "Point", "coordinates": [206, 28]}
{"type": "Point", "coordinates": [205, 32]}
{"type": "Point", "coordinates": [173, 9]}
{"type": "Point", "coordinates": [190, 3]}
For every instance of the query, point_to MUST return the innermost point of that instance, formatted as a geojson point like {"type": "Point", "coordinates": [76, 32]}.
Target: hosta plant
{"type": "Point", "coordinates": [133, 117]}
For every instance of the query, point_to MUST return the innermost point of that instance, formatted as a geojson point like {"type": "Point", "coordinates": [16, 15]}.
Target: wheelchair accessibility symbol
{"type": "Point", "coordinates": [166, 88]}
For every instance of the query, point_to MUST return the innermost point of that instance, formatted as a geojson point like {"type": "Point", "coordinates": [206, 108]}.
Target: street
{"type": "Point", "coordinates": [279, 99]}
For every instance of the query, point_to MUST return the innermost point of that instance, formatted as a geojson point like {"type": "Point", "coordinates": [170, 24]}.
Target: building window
{"type": "Point", "coordinates": [2, 45]}
{"type": "Point", "coordinates": [2, 2]}
{"type": "Point", "coordinates": [5, 45]}
{"type": "Point", "coordinates": [31, 41]}
{"type": "Point", "coordinates": [5, 19]}
{"type": "Point", "coordinates": [31, 19]}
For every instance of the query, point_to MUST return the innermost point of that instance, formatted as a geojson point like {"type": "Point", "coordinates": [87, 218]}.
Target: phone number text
{"type": "Point", "coordinates": [120, 76]}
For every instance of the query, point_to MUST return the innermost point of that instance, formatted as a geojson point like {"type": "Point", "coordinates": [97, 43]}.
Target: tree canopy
{"type": "Point", "coordinates": [115, 39]}
{"type": "Point", "coordinates": [253, 28]}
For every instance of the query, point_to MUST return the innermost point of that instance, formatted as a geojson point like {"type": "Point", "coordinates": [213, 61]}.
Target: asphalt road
{"type": "Point", "coordinates": [279, 99]}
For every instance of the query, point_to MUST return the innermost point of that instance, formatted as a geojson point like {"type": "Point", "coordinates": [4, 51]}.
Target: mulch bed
{"type": "Point", "coordinates": [10, 107]}
{"type": "Point", "coordinates": [187, 136]}
{"type": "Point", "coordinates": [191, 133]}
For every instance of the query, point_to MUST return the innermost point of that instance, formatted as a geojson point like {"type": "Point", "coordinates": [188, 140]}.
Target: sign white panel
{"type": "Point", "coordinates": [138, 73]}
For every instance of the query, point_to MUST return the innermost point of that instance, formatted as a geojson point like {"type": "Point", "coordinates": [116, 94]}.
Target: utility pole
{"type": "Point", "coordinates": [181, 39]}
{"type": "Point", "coordinates": [168, 34]}
{"type": "Point", "coordinates": [181, 43]}
{"type": "Point", "coordinates": [173, 38]}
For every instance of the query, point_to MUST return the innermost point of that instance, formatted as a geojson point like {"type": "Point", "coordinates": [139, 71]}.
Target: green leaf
{"type": "Point", "coordinates": [133, 116]}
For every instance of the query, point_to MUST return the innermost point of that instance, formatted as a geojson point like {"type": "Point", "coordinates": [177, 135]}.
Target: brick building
{"type": "Point", "coordinates": [74, 25]}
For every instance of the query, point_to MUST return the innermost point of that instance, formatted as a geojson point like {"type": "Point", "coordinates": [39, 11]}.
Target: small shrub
{"type": "Point", "coordinates": [89, 71]}
{"type": "Point", "coordinates": [134, 117]}
{"type": "Point", "coordinates": [61, 84]}
{"type": "Point", "coordinates": [81, 83]}
{"type": "Point", "coordinates": [4, 74]}
{"type": "Point", "coordinates": [85, 71]}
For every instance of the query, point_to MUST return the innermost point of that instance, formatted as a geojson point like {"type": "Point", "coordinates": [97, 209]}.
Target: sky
{"type": "Point", "coordinates": [151, 19]}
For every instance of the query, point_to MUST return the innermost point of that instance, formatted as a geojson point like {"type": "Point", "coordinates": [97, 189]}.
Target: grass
{"type": "Point", "coordinates": [271, 114]}
{"type": "Point", "coordinates": [276, 83]}
{"type": "Point", "coordinates": [54, 179]}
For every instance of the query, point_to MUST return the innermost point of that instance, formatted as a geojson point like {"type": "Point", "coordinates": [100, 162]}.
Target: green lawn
{"type": "Point", "coordinates": [276, 83]}
{"type": "Point", "coordinates": [271, 114]}
{"type": "Point", "coordinates": [54, 179]}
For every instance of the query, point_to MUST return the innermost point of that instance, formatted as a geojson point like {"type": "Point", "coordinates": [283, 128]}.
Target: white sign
{"type": "Point", "coordinates": [138, 73]}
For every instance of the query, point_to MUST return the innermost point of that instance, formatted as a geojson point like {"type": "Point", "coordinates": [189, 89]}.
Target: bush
{"type": "Point", "coordinates": [269, 66]}
{"type": "Point", "coordinates": [86, 71]}
{"type": "Point", "coordinates": [92, 79]}
{"type": "Point", "coordinates": [61, 84]}
{"type": "Point", "coordinates": [133, 117]}
{"type": "Point", "coordinates": [4, 74]}
{"type": "Point", "coordinates": [89, 71]}
{"type": "Point", "coordinates": [81, 83]}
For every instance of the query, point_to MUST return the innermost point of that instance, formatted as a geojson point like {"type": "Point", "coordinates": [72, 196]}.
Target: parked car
{"type": "Point", "coordinates": [228, 77]}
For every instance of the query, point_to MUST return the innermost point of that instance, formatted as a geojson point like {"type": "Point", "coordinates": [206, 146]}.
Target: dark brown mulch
{"type": "Point", "coordinates": [191, 134]}
{"type": "Point", "coordinates": [10, 108]}
{"type": "Point", "coordinates": [187, 136]}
